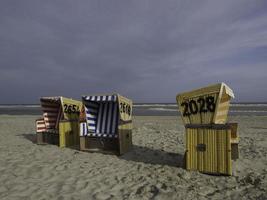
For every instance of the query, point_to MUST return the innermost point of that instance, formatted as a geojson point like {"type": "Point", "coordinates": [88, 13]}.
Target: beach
{"type": "Point", "coordinates": [153, 169]}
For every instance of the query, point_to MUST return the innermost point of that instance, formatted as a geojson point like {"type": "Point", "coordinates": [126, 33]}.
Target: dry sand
{"type": "Point", "coordinates": [152, 170]}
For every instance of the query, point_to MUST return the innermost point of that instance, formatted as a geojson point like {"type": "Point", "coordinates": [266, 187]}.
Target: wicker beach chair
{"type": "Point", "coordinates": [60, 122]}
{"type": "Point", "coordinates": [106, 124]}
{"type": "Point", "coordinates": [211, 142]}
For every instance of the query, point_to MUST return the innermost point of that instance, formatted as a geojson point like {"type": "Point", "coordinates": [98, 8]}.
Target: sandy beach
{"type": "Point", "coordinates": [153, 169]}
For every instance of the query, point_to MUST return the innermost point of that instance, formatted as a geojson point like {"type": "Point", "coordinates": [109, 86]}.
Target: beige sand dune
{"type": "Point", "coordinates": [152, 170]}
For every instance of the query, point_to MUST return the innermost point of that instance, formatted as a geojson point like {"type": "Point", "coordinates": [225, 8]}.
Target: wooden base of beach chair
{"type": "Point", "coordinates": [48, 138]}
{"type": "Point", "coordinates": [234, 141]}
{"type": "Point", "coordinates": [210, 148]}
{"type": "Point", "coordinates": [98, 144]}
{"type": "Point", "coordinates": [69, 134]}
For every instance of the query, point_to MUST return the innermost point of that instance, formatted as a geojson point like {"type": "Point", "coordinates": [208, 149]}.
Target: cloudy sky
{"type": "Point", "coordinates": [146, 50]}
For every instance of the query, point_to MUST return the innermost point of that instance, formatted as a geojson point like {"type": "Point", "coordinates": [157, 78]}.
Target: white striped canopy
{"type": "Point", "coordinates": [112, 98]}
{"type": "Point", "coordinates": [101, 116]}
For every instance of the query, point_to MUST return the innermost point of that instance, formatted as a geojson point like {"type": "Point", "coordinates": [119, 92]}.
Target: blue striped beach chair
{"type": "Point", "coordinates": [106, 124]}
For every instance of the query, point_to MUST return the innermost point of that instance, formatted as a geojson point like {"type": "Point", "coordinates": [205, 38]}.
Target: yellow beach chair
{"type": "Point", "coordinates": [211, 142]}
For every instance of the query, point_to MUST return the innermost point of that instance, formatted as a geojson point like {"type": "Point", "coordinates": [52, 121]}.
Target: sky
{"type": "Point", "coordinates": [148, 51]}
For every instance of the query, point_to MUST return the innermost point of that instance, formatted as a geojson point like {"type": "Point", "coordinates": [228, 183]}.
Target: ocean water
{"type": "Point", "coordinates": [145, 109]}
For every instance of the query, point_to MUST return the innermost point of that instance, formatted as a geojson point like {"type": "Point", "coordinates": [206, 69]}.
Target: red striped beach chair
{"type": "Point", "coordinates": [59, 124]}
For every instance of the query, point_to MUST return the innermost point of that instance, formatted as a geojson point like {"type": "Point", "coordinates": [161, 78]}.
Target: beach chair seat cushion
{"type": "Point", "coordinates": [40, 125]}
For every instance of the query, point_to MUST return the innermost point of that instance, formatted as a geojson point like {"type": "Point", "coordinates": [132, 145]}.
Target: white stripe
{"type": "Point", "coordinates": [104, 98]}
{"type": "Point", "coordinates": [90, 115]}
{"type": "Point", "coordinates": [50, 119]}
{"type": "Point", "coordinates": [81, 129]}
{"type": "Point", "coordinates": [91, 121]}
{"type": "Point", "coordinates": [109, 98]}
{"type": "Point", "coordinates": [99, 118]}
{"type": "Point", "coordinates": [84, 129]}
{"type": "Point", "coordinates": [98, 98]}
{"type": "Point", "coordinates": [91, 127]}
{"type": "Point", "coordinates": [40, 126]}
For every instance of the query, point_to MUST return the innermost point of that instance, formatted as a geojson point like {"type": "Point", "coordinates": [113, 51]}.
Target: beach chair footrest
{"type": "Point", "coordinates": [99, 144]}
{"type": "Point", "coordinates": [47, 138]}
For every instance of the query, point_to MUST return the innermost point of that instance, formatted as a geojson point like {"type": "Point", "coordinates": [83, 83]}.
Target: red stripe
{"type": "Point", "coordinates": [48, 101]}
{"type": "Point", "coordinates": [41, 128]}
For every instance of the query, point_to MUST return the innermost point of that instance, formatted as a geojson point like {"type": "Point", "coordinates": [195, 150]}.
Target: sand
{"type": "Point", "coordinates": [152, 170]}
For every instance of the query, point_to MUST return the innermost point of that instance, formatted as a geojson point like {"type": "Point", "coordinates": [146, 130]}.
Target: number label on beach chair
{"type": "Point", "coordinates": [71, 108]}
{"type": "Point", "coordinates": [205, 105]}
{"type": "Point", "coordinates": [125, 107]}
{"type": "Point", "coordinates": [200, 105]}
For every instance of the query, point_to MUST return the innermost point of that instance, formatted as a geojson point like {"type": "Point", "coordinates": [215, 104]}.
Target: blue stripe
{"type": "Point", "coordinates": [102, 117]}
{"type": "Point", "coordinates": [91, 104]}
{"type": "Point", "coordinates": [104, 121]}
{"type": "Point", "coordinates": [84, 128]}
{"type": "Point", "coordinates": [113, 109]}
{"type": "Point", "coordinates": [115, 115]}
{"type": "Point", "coordinates": [107, 118]}
{"type": "Point", "coordinates": [91, 111]}
{"type": "Point", "coordinates": [91, 118]}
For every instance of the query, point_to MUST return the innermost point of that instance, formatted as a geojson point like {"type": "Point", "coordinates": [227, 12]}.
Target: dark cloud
{"type": "Point", "coordinates": [147, 50]}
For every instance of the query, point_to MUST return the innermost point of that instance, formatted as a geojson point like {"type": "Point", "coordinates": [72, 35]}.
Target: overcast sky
{"type": "Point", "coordinates": [146, 50]}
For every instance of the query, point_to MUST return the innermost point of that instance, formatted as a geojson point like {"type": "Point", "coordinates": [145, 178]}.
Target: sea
{"type": "Point", "coordinates": [145, 109]}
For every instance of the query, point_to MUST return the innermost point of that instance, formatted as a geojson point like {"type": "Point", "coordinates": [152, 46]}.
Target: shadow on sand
{"type": "Point", "coordinates": [138, 154]}
{"type": "Point", "coordinates": [154, 156]}
{"type": "Point", "coordinates": [31, 137]}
